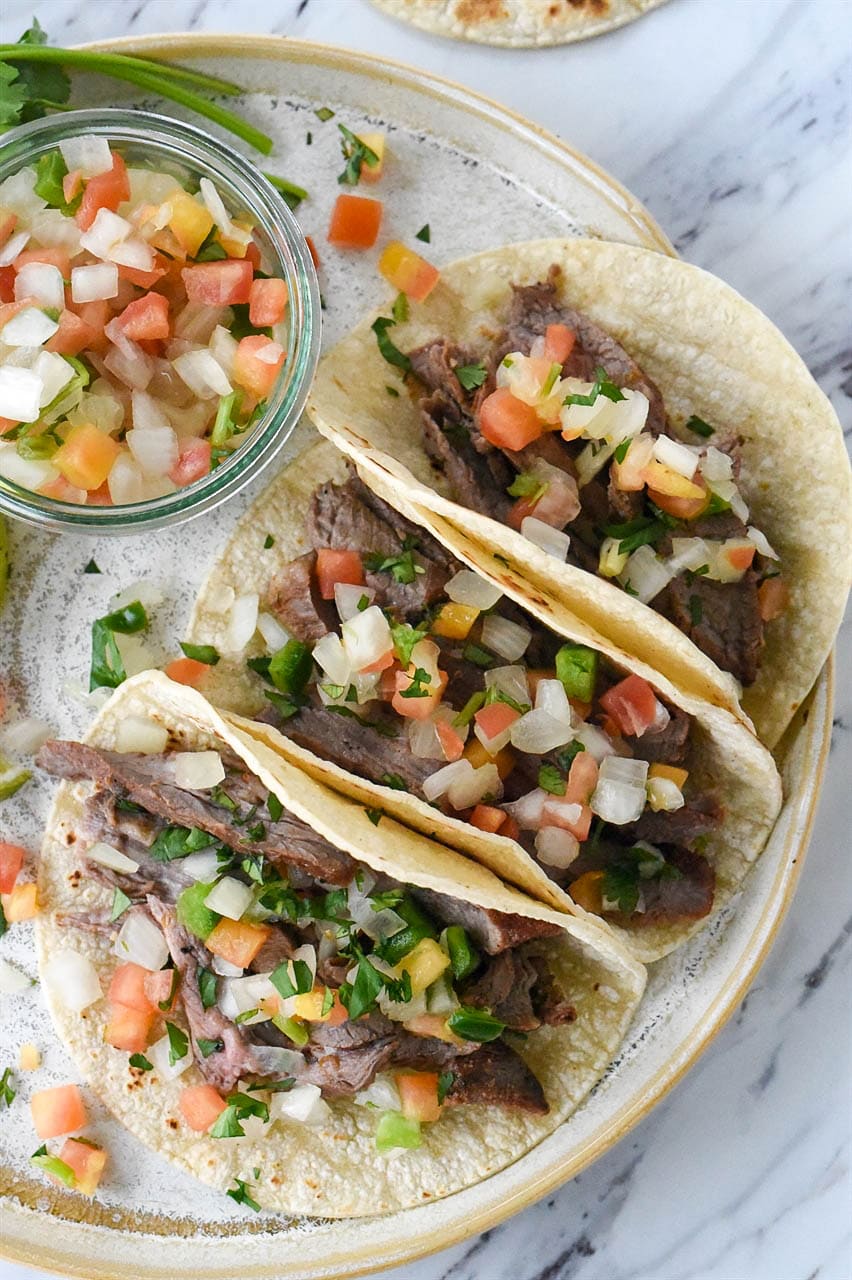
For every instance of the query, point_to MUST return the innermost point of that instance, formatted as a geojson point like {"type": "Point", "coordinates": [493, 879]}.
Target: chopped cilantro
{"type": "Point", "coordinates": [206, 1047]}
{"type": "Point", "coordinates": [207, 987]}
{"type": "Point", "coordinates": [623, 878]}
{"type": "Point", "coordinates": [400, 309]}
{"type": "Point", "coordinates": [7, 1093]}
{"type": "Point", "coordinates": [299, 984]}
{"type": "Point", "coordinates": [526, 485]}
{"type": "Point", "coordinates": [140, 1062]}
{"type": "Point", "coordinates": [178, 1043]}
{"type": "Point", "coordinates": [394, 781]}
{"type": "Point", "coordinates": [416, 689]}
{"type": "Point", "coordinates": [469, 710]}
{"type": "Point", "coordinates": [699, 426]}
{"type": "Point", "coordinates": [107, 668]}
{"type": "Point", "coordinates": [445, 1083]}
{"type": "Point", "coordinates": [602, 387]}
{"type": "Point", "coordinates": [390, 353]}
{"type": "Point", "coordinates": [120, 903]}
{"type": "Point", "coordinates": [403, 568]}
{"type": "Point", "coordinates": [621, 450]}
{"type": "Point", "coordinates": [424, 234]}
{"type": "Point", "coordinates": [206, 653]}
{"type": "Point", "coordinates": [375, 815]}
{"type": "Point", "coordinates": [471, 376]}
{"type": "Point", "coordinates": [356, 153]}
{"type": "Point", "coordinates": [240, 1192]}
{"type": "Point", "coordinates": [392, 391]}
{"type": "Point", "coordinates": [477, 655]}
{"type": "Point", "coordinates": [268, 542]}
{"type": "Point", "coordinates": [274, 806]}
{"type": "Point", "coordinates": [696, 610]}
{"type": "Point", "coordinates": [636, 533]}
{"type": "Point", "coordinates": [551, 779]}
{"type": "Point", "coordinates": [91, 567]}
{"type": "Point", "coordinates": [323, 114]}
{"type": "Point", "coordinates": [179, 842]}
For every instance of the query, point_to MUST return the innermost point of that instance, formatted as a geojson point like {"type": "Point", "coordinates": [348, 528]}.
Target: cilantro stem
{"type": "Point", "coordinates": [153, 77]}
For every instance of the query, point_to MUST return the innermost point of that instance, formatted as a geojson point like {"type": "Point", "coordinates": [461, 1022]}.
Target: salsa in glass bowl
{"type": "Point", "coordinates": [159, 321]}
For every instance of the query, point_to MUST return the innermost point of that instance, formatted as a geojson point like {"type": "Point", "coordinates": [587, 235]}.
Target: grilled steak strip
{"type": "Point", "coordinates": [496, 1076]}
{"type": "Point", "coordinates": [494, 931]}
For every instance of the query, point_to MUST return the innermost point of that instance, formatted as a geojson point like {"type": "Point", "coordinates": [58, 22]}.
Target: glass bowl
{"type": "Point", "coordinates": [152, 141]}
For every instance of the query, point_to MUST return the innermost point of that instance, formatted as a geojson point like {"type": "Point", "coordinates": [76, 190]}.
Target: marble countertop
{"type": "Point", "coordinates": [730, 120]}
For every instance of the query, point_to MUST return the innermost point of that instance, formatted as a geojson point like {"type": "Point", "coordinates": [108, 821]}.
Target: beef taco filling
{"type": "Point", "coordinates": [407, 669]}
{"type": "Point", "coordinates": [554, 430]}
{"type": "Point", "coordinates": [285, 971]}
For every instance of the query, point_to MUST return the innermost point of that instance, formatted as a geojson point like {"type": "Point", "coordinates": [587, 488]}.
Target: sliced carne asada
{"type": "Point", "coordinates": [494, 931]}
{"type": "Point", "coordinates": [504, 988]}
{"type": "Point", "coordinates": [496, 1076]}
{"type": "Point", "coordinates": [295, 600]}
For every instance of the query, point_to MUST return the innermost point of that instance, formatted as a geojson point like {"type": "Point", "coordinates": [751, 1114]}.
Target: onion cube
{"type": "Point", "coordinates": [242, 623]}
{"type": "Point", "coordinates": [42, 282]}
{"type": "Point", "coordinates": [304, 1102]}
{"type": "Point", "coordinates": [467, 587]}
{"type": "Point", "coordinates": [55, 373]}
{"type": "Point", "coordinates": [20, 394]}
{"type": "Point", "coordinates": [158, 1055]}
{"type": "Point", "coordinates": [553, 541]}
{"type": "Point", "coordinates": [93, 283]}
{"type": "Point", "coordinates": [538, 732]}
{"type": "Point", "coordinates": [29, 328]}
{"type": "Point", "coordinates": [87, 152]}
{"type": "Point", "coordinates": [72, 980]}
{"type": "Point", "coordinates": [108, 856]}
{"type": "Point", "coordinates": [229, 898]}
{"type": "Point", "coordinates": [203, 374]}
{"type": "Point", "coordinates": [138, 733]}
{"type": "Point", "coordinates": [198, 770]}
{"type": "Point", "coordinates": [13, 247]}
{"type": "Point", "coordinates": [676, 456]}
{"type": "Point", "coordinates": [141, 941]}
{"type": "Point", "coordinates": [106, 231]}
{"type": "Point", "coordinates": [155, 450]}
{"type": "Point", "coordinates": [556, 847]}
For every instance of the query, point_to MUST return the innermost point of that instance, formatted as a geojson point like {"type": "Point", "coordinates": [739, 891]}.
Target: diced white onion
{"type": "Point", "coordinates": [125, 481]}
{"type": "Point", "coordinates": [624, 769]}
{"type": "Point", "coordinates": [538, 732]}
{"type": "Point", "coordinates": [511, 681]}
{"type": "Point", "coordinates": [52, 229]}
{"type": "Point", "coordinates": [203, 374]}
{"type": "Point", "coordinates": [87, 152]}
{"type": "Point", "coordinates": [133, 252]}
{"type": "Point", "coordinates": [20, 395]}
{"type": "Point", "coordinates": [29, 328]}
{"type": "Point", "coordinates": [30, 473]}
{"type": "Point", "coordinates": [676, 456]}
{"type": "Point", "coordinates": [12, 247]}
{"type": "Point", "coordinates": [592, 460]}
{"type": "Point", "coordinates": [108, 856]}
{"type": "Point", "coordinates": [471, 789]}
{"type": "Point", "coordinates": [134, 370]}
{"type": "Point", "coordinates": [155, 449]}
{"type": "Point", "coordinates": [553, 541]}
{"type": "Point", "coordinates": [466, 587]}
{"type": "Point", "coordinates": [595, 741]}
{"type": "Point", "coordinates": [202, 865]}
{"type": "Point", "coordinates": [91, 284]}
{"type": "Point", "coordinates": [366, 637]}
{"type": "Point", "coordinates": [225, 969]}
{"type": "Point", "coordinates": [619, 796]}
{"type": "Point", "coordinates": [528, 811]}
{"type": "Point", "coordinates": [687, 553]}
{"type": "Point", "coordinates": [147, 412]}
{"type": "Point", "coordinates": [347, 598]}
{"type": "Point", "coordinates": [197, 322]}
{"type": "Point", "coordinates": [716, 466]}
{"type": "Point", "coordinates": [239, 995]}
{"type": "Point", "coordinates": [331, 657]}
{"type": "Point", "coordinates": [141, 941]}
{"type": "Point", "coordinates": [198, 770]}
{"type": "Point", "coordinates": [229, 898]}
{"type": "Point", "coordinates": [55, 373]}
{"type": "Point", "coordinates": [382, 1094]}
{"type": "Point", "coordinates": [223, 348]}
{"type": "Point", "coordinates": [423, 740]}
{"type": "Point", "coordinates": [761, 543]}
{"type": "Point", "coordinates": [738, 506]}
{"type": "Point", "coordinates": [303, 1103]}
{"type": "Point", "coordinates": [158, 1055]}
{"type": "Point", "coordinates": [242, 622]}
{"type": "Point", "coordinates": [508, 639]}
{"type": "Point", "coordinates": [12, 981]}
{"type": "Point", "coordinates": [438, 783]}
{"type": "Point", "coordinates": [107, 231]}
{"type": "Point", "coordinates": [72, 979]}
{"type": "Point", "coordinates": [138, 733]}
{"type": "Point", "coordinates": [274, 635]}
{"type": "Point", "coordinates": [273, 1060]}
{"type": "Point", "coordinates": [556, 847]}
{"type": "Point", "coordinates": [550, 696]}
{"type": "Point", "coordinates": [646, 574]}
{"type": "Point", "coordinates": [42, 282]}
{"type": "Point", "coordinates": [661, 719]}
{"type": "Point", "coordinates": [664, 795]}
{"type": "Point", "coordinates": [24, 737]}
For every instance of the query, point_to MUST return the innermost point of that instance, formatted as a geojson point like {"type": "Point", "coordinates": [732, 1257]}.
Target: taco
{"type": "Point", "coordinates": [517, 23]}
{"type": "Point", "coordinates": [626, 412]}
{"type": "Point", "coordinates": [518, 736]}
{"type": "Point", "coordinates": [376, 1019]}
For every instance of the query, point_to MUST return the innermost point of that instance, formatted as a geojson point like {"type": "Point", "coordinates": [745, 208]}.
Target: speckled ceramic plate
{"type": "Point", "coordinates": [451, 151]}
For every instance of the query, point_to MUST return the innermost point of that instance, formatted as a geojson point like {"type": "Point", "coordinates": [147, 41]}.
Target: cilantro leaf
{"type": "Point", "coordinates": [699, 426]}
{"type": "Point", "coordinates": [207, 987]}
{"type": "Point", "coordinates": [424, 234]}
{"type": "Point", "coordinates": [391, 353]}
{"type": "Point", "coordinates": [205, 653]}
{"type": "Point", "coordinates": [602, 387]}
{"type": "Point", "coordinates": [240, 1192]}
{"type": "Point", "coordinates": [178, 1043]}
{"type": "Point", "coordinates": [471, 376]}
{"type": "Point", "coordinates": [140, 1062]}
{"type": "Point", "coordinates": [120, 903]}
{"type": "Point", "coordinates": [356, 154]}
{"type": "Point", "coordinates": [551, 779]}
{"type": "Point", "coordinates": [7, 1093]}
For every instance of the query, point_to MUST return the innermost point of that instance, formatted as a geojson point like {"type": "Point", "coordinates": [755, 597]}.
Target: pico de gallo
{"type": "Point", "coordinates": [139, 328]}
{"type": "Point", "coordinates": [282, 974]}
{"type": "Point", "coordinates": [388, 657]}
{"type": "Point", "coordinates": [555, 430]}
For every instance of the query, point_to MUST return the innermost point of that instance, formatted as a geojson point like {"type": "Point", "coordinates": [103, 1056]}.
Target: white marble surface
{"type": "Point", "coordinates": [730, 119]}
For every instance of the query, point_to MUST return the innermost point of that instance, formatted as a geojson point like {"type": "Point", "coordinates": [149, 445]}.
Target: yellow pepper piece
{"type": "Point", "coordinates": [670, 771]}
{"type": "Point", "coordinates": [309, 1006]}
{"type": "Point", "coordinates": [587, 891]}
{"type": "Point", "coordinates": [424, 964]}
{"type": "Point", "coordinates": [477, 755]}
{"type": "Point", "coordinates": [376, 143]}
{"type": "Point", "coordinates": [190, 221]}
{"type": "Point", "coordinates": [662, 479]}
{"type": "Point", "coordinates": [233, 247]}
{"type": "Point", "coordinates": [29, 1058]}
{"type": "Point", "coordinates": [454, 621]}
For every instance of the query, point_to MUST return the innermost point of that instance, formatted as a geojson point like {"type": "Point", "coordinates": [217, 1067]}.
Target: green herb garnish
{"type": "Point", "coordinates": [387, 349]}
{"type": "Point", "coordinates": [356, 154]}
{"type": "Point", "coordinates": [699, 426]}
{"type": "Point", "coordinates": [471, 376]}
{"type": "Point", "coordinates": [178, 1043]}
{"type": "Point", "coordinates": [140, 1062]}
{"type": "Point", "coordinates": [206, 653]}
{"type": "Point", "coordinates": [424, 234]}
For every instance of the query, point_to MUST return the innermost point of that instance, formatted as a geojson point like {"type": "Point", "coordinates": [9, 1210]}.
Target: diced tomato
{"type": "Point", "coordinates": [127, 987]}
{"type": "Point", "coordinates": [160, 986]}
{"type": "Point", "coordinates": [201, 1106]}
{"type": "Point", "coordinates": [6, 424]}
{"type": "Point", "coordinates": [452, 743]}
{"type": "Point", "coordinates": [62, 491]}
{"type": "Point", "coordinates": [21, 903]}
{"type": "Point", "coordinates": [194, 459]}
{"type": "Point", "coordinates": [88, 1163]}
{"type": "Point", "coordinates": [147, 317]}
{"type": "Point", "coordinates": [740, 556]}
{"type": "Point", "coordinates": [105, 191]}
{"type": "Point", "coordinates": [338, 566]}
{"type": "Point", "coordinates": [58, 1111]}
{"type": "Point", "coordinates": [587, 891]}
{"type": "Point", "coordinates": [558, 343]}
{"type": "Point", "coordinates": [417, 708]}
{"type": "Point", "coordinates": [218, 284]}
{"type": "Point", "coordinates": [557, 813]}
{"type": "Point", "coordinates": [680, 508]}
{"type": "Point", "coordinates": [128, 1029]}
{"type": "Point", "coordinates": [496, 719]}
{"type": "Point", "coordinates": [11, 860]}
{"type": "Point", "coordinates": [100, 497]}
{"type": "Point", "coordinates": [355, 222]}
{"type": "Point", "coordinates": [510, 828]}
{"type": "Point", "coordinates": [86, 457]}
{"type": "Point", "coordinates": [267, 302]}
{"type": "Point", "coordinates": [507, 422]}
{"type": "Point", "coordinates": [97, 316]}
{"type": "Point", "coordinates": [187, 671]}
{"type": "Point", "coordinates": [72, 336]}
{"type": "Point", "coordinates": [144, 279]}
{"type": "Point", "coordinates": [519, 511]}
{"type": "Point", "coordinates": [387, 683]}
{"type": "Point", "coordinates": [54, 257]}
{"type": "Point", "coordinates": [72, 185]}
{"type": "Point", "coordinates": [418, 1091]}
{"type": "Point", "coordinates": [7, 284]}
{"type": "Point", "coordinates": [257, 363]}
{"type": "Point", "coordinates": [312, 250]}
{"type": "Point", "coordinates": [406, 271]}
{"type": "Point", "coordinates": [487, 817]}
{"type": "Point", "coordinates": [773, 597]}
{"type": "Point", "coordinates": [582, 778]}
{"type": "Point", "coordinates": [252, 254]}
{"type": "Point", "coordinates": [382, 663]}
{"type": "Point", "coordinates": [632, 704]}
{"type": "Point", "coordinates": [237, 941]}
{"type": "Point", "coordinates": [8, 222]}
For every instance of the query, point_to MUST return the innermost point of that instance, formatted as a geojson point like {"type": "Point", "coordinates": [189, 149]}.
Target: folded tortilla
{"type": "Point", "coordinates": [712, 354]}
{"type": "Point", "coordinates": [725, 757]}
{"type": "Point", "coordinates": [517, 23]}
{"type": "Point", "coordinates": [333, 1169]}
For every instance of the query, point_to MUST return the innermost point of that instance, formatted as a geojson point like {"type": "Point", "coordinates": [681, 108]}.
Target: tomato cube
{"type": "Point", "coordinates": [558, 343]}
{"type": "Point", "coordinates": [452, 743]}
{"type": "Point", "coordinates": [105, 191]}
{"type": "Point", "coordinates": [7, 284]}
{"type": "Point", "coordinates": [147, 317]}
{"type": "Point", "coordinates": [632, 704]}
{"type": "Point", "coordinates": [194, 460]}
{"type": "Point", "coordinates": [187, 671]}
{"type": "Point", "coordinates": [257, 363]}
{"type": "Point", "coordinates": [418, 1091]}
{"type": "Point", "coordinates": [267, 302]}
{"type": "Point", "coordinates": [419, 708]}
{"type": "Point", "coordinates": [582, 778]}
{"type": "Point", "coordinates": [355, 222]}
{"type": "Point", "coordinates": [127, 987]}
{"type": "Point", "coordinates": [508, 422]}
{"type": "Point", "coordinates": [21, 903]}
{"type": "Point", "coordinates": [86, 457]}
{"type": "Point", "coordinates": [97, 316]}
{"type": "Point", "coordinates": [54, 257]}
{"type": "Point", "coordinates": [406, 271]}
{"type": "Point", "coordinates": [218, 284]}
{"type": "Point", "coordinates": [495, 719]}
{"type": "Point", "coordinates": [72, 336]}
{"type": "Point", "coordinates": [88, 1163]}
{"type": "Point", "coordinates": [128, 1029]}
{"type": "Point", "coordinates": [338, 566]}
{"type": "Point", "coordinates": [201, 1106]}
{"type": "Point", "coordinates": [58, 1111]}
{"type": "Point", "coordinates": [144, 279]}
{"type": "Point", "coordinates": [237, 941]}
{"type": "Point", "coordinates": [11, 860]}
{"type": "Point", "coordinates": [160, 987]}
{"type": "Point", "coordinates": [487, 817]}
